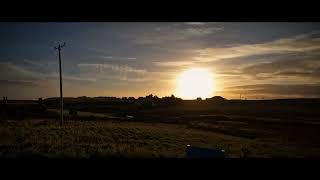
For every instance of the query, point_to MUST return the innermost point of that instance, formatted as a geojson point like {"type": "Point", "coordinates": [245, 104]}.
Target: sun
{"type": "Point", "coordinates": [194, 83]}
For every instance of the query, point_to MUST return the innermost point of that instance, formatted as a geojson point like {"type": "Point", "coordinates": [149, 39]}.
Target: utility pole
{"type": "Point", "coordinates": [61, 96]}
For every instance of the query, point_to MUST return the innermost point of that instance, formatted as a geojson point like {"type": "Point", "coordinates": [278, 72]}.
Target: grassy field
{"type": "Point", "coordinates": [82, 113]}
{"type": "Point", "coordinates": [104, 129]}
{"type": "Point", "coordinates": [43, 138]}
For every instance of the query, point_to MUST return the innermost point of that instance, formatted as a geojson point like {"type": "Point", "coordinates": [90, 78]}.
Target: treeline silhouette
{"type": "Point", "coordinates": [144, 100]}
{"type": "Point", "coordinates": [28, 109]}
{"type": "Point", "coordinates": [152, 106]}
{"type": "Point", "coordinates": [112, 104]}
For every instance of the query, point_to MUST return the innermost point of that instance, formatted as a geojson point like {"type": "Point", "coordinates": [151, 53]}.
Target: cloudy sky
{"type": "Point", "coordinates": [257, 60]}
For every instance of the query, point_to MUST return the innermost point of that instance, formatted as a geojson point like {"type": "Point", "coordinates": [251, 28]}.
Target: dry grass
{"type": "Point", "coordinates": [130, 139]}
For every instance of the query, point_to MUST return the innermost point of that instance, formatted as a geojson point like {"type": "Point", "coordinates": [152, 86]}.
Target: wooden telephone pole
{"type": "Point", "coordinates": [61, 96]}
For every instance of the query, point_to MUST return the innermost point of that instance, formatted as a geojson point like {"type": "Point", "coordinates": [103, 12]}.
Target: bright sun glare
{"type": "Point", "coordinates": [195, 82]}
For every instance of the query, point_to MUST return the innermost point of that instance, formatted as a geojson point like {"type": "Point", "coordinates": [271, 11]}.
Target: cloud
{"type": "Point", "coordinates": [175, 33]}
{"type": "Point", "coordinates": [114, 72]}
{"type": "Point", "coordinates": [107, 57]}
{"type": "Point", "coordinates": [309, 42]}
{"type": "Point", "coordinates": [129, 58]}
{"type": "Point", "coordinates": [75, 78]}
{"type": "Point", "coordinates": [4, 83]}
{"type": "Point", "coordinates": [229, 73]}
{"type": "Point", "coordinates": [100, 68]}
{"type": "Point", "coordinates": [297, 48]}
{"type": "Point", "coordinates": [78, 77]}
{"type": "Point", "coordinates": [12, 74]}
{"type": "Point", "coordinates": [304, 68]}
{"type": "Point", "coordinates": [294, 73]}
{"type": "Point", "coordinates": [173, 63]}
{"type": "Point", "coordinates": [10, 71]}
{"type": "Point", "coordinates": [118, 58]}
{"type": "Point", "coordinates": [289, 90]}
{"type": "Point", "coordinates": [33, 63]}
{"type": "Point", "coordinates": [195, 23]}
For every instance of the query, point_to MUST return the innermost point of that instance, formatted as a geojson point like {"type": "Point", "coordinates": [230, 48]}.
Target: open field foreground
{"type": "Point", "coordinates": [84, 139]}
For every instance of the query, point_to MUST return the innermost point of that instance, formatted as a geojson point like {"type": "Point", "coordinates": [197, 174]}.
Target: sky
{"type": "Point", "coordinates": [256, 60]}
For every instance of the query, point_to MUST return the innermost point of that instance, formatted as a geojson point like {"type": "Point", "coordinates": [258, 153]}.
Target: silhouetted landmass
{"type": "Point", "coordinates": [154, 106]}
{"type": "Point", "coordinates": [216, 98]}
{"type": "Point", "coordinates": [173, 105]}
{"type": "Point", "coordinates": [261, 128]}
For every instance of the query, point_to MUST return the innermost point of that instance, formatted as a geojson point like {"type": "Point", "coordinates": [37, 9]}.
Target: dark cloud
{"type": "Point", "coordinates": [302, 43]}
{"type": "Point", "coordinates": [294, 73]}
{"type": "Point", "coordinates": [304, 90]}
{"type": "Point", "coordinates": [284, 68]}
